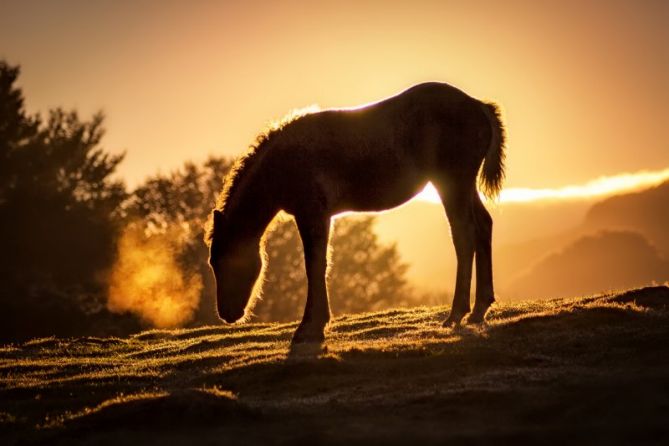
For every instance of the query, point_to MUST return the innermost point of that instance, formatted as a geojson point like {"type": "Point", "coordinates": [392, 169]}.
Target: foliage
{"type": "Point", "coordinates": [364, 275]}
{"type": "Point", "coordinates": [59, 210]}
{"type": "Point", "coordinates": [179, 203]}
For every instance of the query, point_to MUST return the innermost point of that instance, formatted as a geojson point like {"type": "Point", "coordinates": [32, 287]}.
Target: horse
{"type": "Point", "coordinates": [362, 159]}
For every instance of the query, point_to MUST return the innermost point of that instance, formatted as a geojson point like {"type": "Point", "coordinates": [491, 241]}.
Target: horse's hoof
{"type": "Point", "coordinates": [306, 350]}
{"type": "Point", "coordinates": [476, 318]}
{"type": "Point", "coordinates": [478, 315]}
{"type": "Point", "coordinates": [454, 319]}
{"type": "Point", "coordinates": [308, 337]}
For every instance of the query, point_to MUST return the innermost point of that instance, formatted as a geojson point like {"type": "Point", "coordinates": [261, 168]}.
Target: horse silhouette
{"type": "Point", "coordinates": [370, 158]}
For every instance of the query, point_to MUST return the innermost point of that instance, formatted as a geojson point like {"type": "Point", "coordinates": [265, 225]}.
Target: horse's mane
{"type": "Point", "coordinates": [244, 164]}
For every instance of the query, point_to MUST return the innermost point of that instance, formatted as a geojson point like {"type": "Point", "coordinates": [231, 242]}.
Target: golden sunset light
{"type": "Point", "coordinates": [600, 187]}
{"type": "Point", "coordinates": [334, 222]}
{"type": "Point", "coordinates": [185, 80]}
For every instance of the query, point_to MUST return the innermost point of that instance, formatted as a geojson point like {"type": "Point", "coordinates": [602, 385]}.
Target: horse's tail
{"type": "Point", "coordinates": [492, 172]}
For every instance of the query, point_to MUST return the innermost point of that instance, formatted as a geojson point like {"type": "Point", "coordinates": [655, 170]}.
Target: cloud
{"type": "Point", "coordinates": [600, 187]}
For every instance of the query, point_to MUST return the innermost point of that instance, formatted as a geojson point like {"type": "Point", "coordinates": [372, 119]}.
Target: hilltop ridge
{"type": "Point", "coordinates": [577, 369]}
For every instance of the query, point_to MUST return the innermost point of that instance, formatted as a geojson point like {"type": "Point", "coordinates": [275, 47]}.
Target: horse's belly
{"type": "Point", "coordinates": [373, 193]}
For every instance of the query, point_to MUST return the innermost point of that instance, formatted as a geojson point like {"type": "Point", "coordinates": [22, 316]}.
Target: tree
{"type": "Point", "coordinates": [59, 211]}
{"type": "Point", "coordinates": [365, 275]}
{"type": "Point", "coordinates": [17, 129]}
{"type": "Point", "coordinates": [179, 204]}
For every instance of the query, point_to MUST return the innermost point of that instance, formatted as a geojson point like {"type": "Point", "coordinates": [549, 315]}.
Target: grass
{"type": "Point", "coordinates": [583, 370]}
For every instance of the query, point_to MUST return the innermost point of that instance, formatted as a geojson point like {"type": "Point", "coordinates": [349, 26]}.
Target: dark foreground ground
{"type": "Point", "coordinates": [591, 370]}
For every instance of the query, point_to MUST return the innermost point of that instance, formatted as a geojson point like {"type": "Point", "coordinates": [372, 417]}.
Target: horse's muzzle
{"type": "Point", "coordinates": [230, 316]}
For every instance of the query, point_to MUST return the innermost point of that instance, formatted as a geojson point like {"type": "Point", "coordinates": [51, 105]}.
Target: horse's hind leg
{"type": "Point", "coordinates": [314, 232]}
{"type": "Point", "coordinates": [457, 200]}
{"type": "Point", "coordinates": [485, 294]}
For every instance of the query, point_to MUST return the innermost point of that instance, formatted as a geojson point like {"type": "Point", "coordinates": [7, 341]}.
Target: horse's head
{"type": "Point", "coordinates": [236, 264]}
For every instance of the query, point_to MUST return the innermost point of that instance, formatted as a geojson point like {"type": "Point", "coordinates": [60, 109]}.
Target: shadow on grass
{"type": "Point", "coordinates": [568, 367]}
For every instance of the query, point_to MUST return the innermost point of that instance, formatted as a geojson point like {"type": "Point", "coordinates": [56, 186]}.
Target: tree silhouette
{"type": "Point", "coordinates": [59, 212]}
{"type": "Point", "coordinates": [365, 275]}
{"type": "Point", "coordinates": [180, 202]}
{"type": "Point", "coordinates": [17, 129]}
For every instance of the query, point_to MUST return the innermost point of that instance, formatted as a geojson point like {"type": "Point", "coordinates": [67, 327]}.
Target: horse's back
{"type": "Point", "coordinates": [378, 156]}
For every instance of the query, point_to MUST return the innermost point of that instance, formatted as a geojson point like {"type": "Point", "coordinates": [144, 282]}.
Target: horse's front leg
{"type": "Point", "coordinates": [314, 232]}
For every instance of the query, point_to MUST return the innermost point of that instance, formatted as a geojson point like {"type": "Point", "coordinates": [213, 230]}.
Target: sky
{"type": "Point", "coordinates": [584, 85]}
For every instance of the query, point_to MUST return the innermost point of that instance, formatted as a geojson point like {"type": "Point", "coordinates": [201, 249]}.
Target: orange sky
{"type": "Point", "coordinates": [584, 85]}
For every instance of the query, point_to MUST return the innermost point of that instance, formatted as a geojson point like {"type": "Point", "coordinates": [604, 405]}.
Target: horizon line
{"type": "Point", "coordinates": [602, 186]}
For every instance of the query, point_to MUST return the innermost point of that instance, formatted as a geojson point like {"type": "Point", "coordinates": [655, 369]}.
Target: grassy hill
{"type": "Point", "coordinates": [582, 370]}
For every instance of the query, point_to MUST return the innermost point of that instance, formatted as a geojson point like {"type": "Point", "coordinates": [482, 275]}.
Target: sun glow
{"type": "Point", "coordinates": [600, 187]}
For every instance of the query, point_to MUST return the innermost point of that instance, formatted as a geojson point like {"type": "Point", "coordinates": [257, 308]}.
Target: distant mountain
{"type": "Point", "coordinates": [646, 212]}
{"type": "Point", "coordinates": [593, 263]}
{"type": "Point", "coordinates": [525, 234]}
{"type": "Point", "coordinates": [423, 237]}
{"type": "Point", "coordinates": [513, 260]}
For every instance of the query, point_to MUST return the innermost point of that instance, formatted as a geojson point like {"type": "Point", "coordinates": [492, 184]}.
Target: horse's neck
{"type": "Point", "coordinates": [253, 208]}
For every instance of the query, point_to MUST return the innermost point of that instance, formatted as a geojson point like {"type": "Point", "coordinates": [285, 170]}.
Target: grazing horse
{"type": "Point", "coordinates": [369, 158]}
